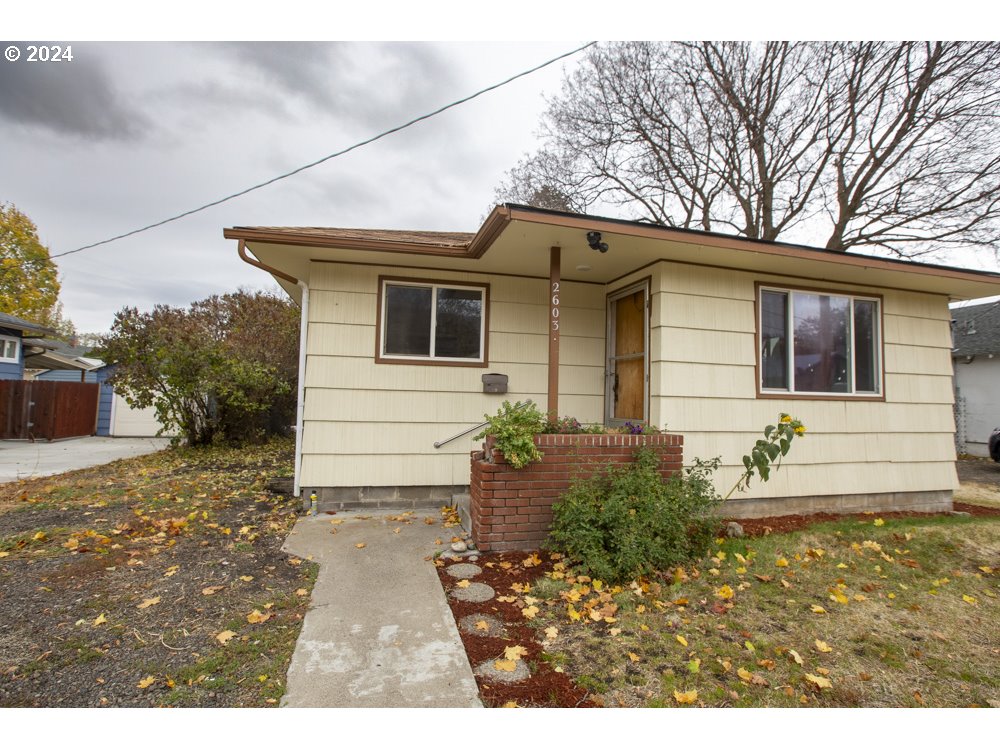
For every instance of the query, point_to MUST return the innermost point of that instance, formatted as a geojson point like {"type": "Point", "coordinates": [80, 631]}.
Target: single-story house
{"type": "Point", "coordinates": [707, 335]}
{"type": "Point", "coordinates": [13, 332]}
{"type": "Point", "coordinates": [976, 355]}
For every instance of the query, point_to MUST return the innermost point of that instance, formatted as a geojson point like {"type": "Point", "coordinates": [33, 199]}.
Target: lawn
{"type": "Point", "coordinates": [153, 581]}
{"type": "Point", "coordinates": [860, 612]}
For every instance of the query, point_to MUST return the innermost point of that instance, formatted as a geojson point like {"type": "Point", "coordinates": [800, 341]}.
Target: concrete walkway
{"type": "Point", "coordinates": [20, 459]}
{"type": "Point", "coordinates": [379, 633]}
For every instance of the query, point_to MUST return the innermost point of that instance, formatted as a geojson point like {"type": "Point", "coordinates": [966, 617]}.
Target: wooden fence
{"type": "Point", "coordinates": [47, 410]}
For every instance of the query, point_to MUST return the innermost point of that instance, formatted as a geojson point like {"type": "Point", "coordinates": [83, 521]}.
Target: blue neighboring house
{"type": "Point", "coordinates": [13, 332]}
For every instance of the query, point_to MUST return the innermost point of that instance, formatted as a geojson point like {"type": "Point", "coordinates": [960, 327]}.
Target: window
{"type": "Point", "coordinates": [9, 349]}
{"type": "Point", "coordinates": [819, 343]}
{"type": "Point", "coordinates": [423, 321]}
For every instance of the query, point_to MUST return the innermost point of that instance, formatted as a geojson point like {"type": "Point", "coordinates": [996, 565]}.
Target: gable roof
{"type": "Point", "coordinates": [976, 329]}
{"type": "Point", "coordinates": [514, 239]}
{"type": "Point", "coordinates": [9, 321]}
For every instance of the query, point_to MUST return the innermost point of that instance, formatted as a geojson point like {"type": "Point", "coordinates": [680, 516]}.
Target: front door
{"type": "Point", "coordinates": [628, 361]}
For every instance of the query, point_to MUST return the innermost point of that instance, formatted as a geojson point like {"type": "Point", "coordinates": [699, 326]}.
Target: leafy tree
{"type": "Point", "coordinates": [29, 282]}
{"type": "Point", "coordinates": [225, 368]}
{"type": "Point", "coordinates": [888, 144]}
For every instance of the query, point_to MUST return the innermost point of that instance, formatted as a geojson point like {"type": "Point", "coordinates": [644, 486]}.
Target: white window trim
{"type": "Point", "coordinates": [790, 338]}
{"type": "Point", "coordinates": [434, 286]}
{"type": "Point", "coordinates": [16, 359]}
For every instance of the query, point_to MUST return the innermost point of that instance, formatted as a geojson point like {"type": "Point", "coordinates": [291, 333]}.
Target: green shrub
{"type": "Point", "coordinates": [628, 521]}
{"type": "Point", "coordinates": [513, 429]}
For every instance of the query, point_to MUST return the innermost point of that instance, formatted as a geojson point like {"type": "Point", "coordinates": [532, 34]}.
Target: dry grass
{"type": "Point", "coordinates": [909, 616]}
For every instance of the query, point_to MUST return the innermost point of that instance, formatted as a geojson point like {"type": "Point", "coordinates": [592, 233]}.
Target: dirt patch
{"type": "Point", "coordinates": [980, 480]}
{"type": "Point", "coordinates": [138, 583]}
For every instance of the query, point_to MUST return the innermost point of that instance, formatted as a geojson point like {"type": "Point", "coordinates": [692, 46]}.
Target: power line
{"type": "Point", "coordinates": [358, 145]}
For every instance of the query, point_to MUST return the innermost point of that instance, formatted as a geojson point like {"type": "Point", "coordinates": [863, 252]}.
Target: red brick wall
{"type": "Point", "coordinates": [512, 508]}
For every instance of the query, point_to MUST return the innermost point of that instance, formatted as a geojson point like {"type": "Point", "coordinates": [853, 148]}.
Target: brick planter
{"type": "Point", "coordinates": [512, 508]}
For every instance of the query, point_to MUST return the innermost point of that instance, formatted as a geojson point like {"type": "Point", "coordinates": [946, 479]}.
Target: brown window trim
{"type": "Point", "coordinates": [762, 394]}
{"type": "Point", "coordinates": [451, 283]}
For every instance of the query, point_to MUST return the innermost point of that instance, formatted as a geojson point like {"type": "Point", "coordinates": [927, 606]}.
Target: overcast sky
{"type": "Point", "coordinates": [131, 133]}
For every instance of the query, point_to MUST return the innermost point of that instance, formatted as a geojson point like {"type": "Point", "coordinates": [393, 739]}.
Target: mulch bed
{"type": "Point", "coordinates": [546, 687]}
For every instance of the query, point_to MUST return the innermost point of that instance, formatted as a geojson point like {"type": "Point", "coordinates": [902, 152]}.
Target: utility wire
{"type": "Point", "coordinates": [358, 145]}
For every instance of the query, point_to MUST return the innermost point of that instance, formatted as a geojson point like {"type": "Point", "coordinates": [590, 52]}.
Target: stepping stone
{"type": "Point", "coordinates": [463, 570]}
{"type": "Point", "coordinates": [475, 592]}
{"type": "Point", "coordinates": [495, 628]}
{"type": "Point", "coordinates": [487, 671]}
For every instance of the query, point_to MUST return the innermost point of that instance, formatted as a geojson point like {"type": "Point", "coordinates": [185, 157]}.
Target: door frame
{"type": "Point", "coordinates": [642, 285]}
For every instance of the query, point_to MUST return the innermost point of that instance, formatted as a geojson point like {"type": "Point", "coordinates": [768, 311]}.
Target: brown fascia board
{"type": "Point", "coordinates": [711, 239]}
{"type": "Point", "coordinates": [333, 240]}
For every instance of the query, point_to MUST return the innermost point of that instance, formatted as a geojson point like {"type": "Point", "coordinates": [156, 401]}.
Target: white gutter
{"type": "Point", "coordinates": [300, 400]}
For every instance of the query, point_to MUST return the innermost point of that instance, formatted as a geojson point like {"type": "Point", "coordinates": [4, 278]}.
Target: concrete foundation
{"type": "Point", "coordinates": [932, 501]}
{"type": "Point", "coordinates": [382, 498]}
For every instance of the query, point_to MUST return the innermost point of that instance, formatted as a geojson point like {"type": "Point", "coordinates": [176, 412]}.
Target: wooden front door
{"type": "Point", "coordinates": [628, 362]}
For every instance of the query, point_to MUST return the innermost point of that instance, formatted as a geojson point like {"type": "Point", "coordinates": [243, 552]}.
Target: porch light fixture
{"type": "Point", "coordinates": [594, 240]}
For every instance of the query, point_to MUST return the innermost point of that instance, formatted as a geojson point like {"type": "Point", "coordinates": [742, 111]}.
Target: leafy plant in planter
{"type": "Point", "coordinates": [513, 429]}
{"type": "Point", "coordinates": [628, 521]}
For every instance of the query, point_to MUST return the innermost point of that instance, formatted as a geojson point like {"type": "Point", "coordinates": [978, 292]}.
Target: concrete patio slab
{"type": "Point", "coordinates": [379, 633]}
{"type": "Point", "coordinates": [21, 459]}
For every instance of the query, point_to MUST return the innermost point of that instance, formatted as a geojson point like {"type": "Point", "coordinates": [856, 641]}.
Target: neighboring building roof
{"type": "Point", "coordinates": [9, 321]}
{"type": "Point", "coordinates": [976, 329]}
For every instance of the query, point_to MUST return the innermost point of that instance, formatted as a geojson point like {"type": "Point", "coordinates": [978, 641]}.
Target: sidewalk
{"type": "Point", "coordinates": [20, 459]}
{"type": "Point", "coordinates": [379, 633]}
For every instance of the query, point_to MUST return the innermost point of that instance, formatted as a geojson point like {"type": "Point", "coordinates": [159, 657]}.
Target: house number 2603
{"type": "Point", "coordinates": [555, 306]}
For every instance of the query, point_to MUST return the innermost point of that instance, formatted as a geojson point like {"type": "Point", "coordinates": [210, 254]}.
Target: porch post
{"type": "Point", "coordinates": [554, 297]}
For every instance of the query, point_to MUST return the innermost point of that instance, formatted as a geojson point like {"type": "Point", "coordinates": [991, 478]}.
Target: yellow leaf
{"type": "Point", "coordinates": [145, 682]}
{"type": "Point", "coordinates": [298, 561]}
{"type": "Point", "coordinates": [823, 646]}
{"type": "Point", "coordinates": [781, 562]}
{"type": "Point", "coordinates": [463, 584]}
{"type": "Point", "coordinates": [209, 590]}
{"type": "Point", "coordinates": [514, 652]}
{"type": "Point", "coordinates": [262, 678]}
{"type": "Point", "coordinates": [744, 674]}
{"type": "Point", "coordinates": [795, 655]}
{"type": "Point", "coordinates": [41, 536]}
{"type": "Point", "coordinates": [301, 592]}
{"type": "Point", "coordinates": [258, 616]}
{"type": "Point", "coordinates": [786, 584]}
{"type": "Point", "coordinates": [4, 554]}
{"type": "Point", "coordinates": [986, 569]}
{"type": "Point", "coordinates": [71, 544]}
{"type": "Point", "coordinates": [529, 612]}
{"type": "Point", "coordinates": [360, 545]}
{"type": "Point", "coordinates": [818, 609]}
{"type": "Point", "coordinates": [750, 647]}
{"type": "Point", "coordinates": [614, 631]}
{"type": "Point", "coordinates": [823, 671]}
{"type": "Point", "coordinates": [838, 596]}
{"type": "Point", "coordinates": [507, 599]}
{"type": "Point", "coordinates": [968, 599]}
{"type": "Point", "coordinates": [149, 602]}
{"type": "Point", "coordinates": [725, 592]}
{"type": "Point", "coordinates": [879, 522]}
{"type": "Point", "coordinates": [100, 620]}
{"type": "Point", "coordinates": [531, 561]}
{"type": "Point", "coordinates": [633, 657]}
{"type": "Point", "coordinates": [505, 665]}
{"type": "Point", "coordinates": [681, 640]}
{"type": "Point", "coordinates": [820, 682]}
{"type": "Point", "coordinates": [171, 571]}
{"type": "Point", "coordinates": [225, 636]}
{"type": "Point", "coordinates": [573, 614]}
{"type": "Point", "coordinates": [482, 625]}
{"type": "Point", "coordinates": [246, 579]}
{"type": "Point", "coordinates": [551, 632]}
{"type": "Point", "coordinates": [511, 704]}
{"type": "Point", "coordinates": [685, 698]}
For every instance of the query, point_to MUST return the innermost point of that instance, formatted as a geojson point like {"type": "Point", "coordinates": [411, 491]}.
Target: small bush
{"type": "Point", "coordinates": [513, 429]}
{"type": "Point", "coordinates": [628, 521]}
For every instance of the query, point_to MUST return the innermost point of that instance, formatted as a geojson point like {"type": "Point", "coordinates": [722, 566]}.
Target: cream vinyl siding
{"type": "Point", "coordinates": [368, 424]}
{"type": "Point", "coordinates": [704, 386]}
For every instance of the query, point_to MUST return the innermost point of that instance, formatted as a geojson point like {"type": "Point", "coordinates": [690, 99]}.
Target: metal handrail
{"type": "Point", "coordinates": [479, 426]}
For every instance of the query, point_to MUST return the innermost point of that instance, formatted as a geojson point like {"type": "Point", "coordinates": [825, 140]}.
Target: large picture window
{"type": "Point", "coordinates": [819, 343]}
{"type": "Point", "coordinates": [432, 322]}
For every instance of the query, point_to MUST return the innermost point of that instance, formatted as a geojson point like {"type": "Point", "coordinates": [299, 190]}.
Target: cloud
{"type": "Point", "coordinates": [74, 98]}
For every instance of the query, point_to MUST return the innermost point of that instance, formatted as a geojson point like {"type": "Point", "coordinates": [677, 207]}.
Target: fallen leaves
{"type": "Point", "coordinates": [482, 625]}
{"type": "Point", "coordinates": [100, 620]}
{"type": "Point", "coordinates": [681, 640]}
{"type": "Point", "coordinates": [463, 584]}
{"type": "Point", "coordinates": [145, 682]}
{"type": "Point", "coordinates": [820, 682]}
{"type": "Point", "coordinates": [225, 636]}
{"type": "Point", "coordinates": [823, 646]}
{"type": "Point", "coordinates": [209, 590]}
{"type": "Point", "coordinates": [360, 545]}
{"type": "Point", "coordinates": [685, 698]}
{"type": "Point", "coordinates": [725, 592]}
{"type": "Point", "coordinates": [257, 616]}
{"type": "Point", "coordinates": [146, 603]}
{"type": "Point", "coordinates": [529, 612]}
